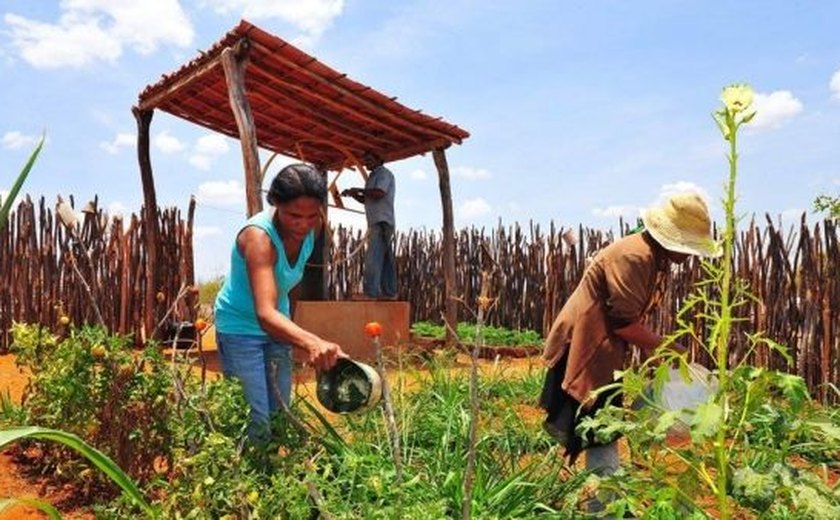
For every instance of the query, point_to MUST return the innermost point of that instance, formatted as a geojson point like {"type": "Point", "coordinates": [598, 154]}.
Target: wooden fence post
{"type": "Point", "coordinates": [450, 304]}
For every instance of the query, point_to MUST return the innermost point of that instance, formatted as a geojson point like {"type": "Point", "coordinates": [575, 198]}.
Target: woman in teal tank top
{"type": "Point", "coordinates": [254, 330]}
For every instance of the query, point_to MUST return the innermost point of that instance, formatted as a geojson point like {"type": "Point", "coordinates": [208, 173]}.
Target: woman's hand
{"type": "Point", "coordinates": [323, 354]}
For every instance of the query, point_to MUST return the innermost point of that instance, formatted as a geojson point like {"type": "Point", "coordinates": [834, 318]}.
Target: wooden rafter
{"type": "Point", "coordinates": [297, 98]}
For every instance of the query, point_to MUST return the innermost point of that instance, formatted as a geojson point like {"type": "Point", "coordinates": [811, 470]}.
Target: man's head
{"type": "Point", "coordinates": [371, 159]}
{"type": "Point", "coordinates": [682, 226]}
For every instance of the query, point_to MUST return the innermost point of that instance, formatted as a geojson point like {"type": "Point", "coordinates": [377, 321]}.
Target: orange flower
{"type": "Point", "coordinates": [200, 324]}
{"type": "Point", "coordinates": [373, 329]}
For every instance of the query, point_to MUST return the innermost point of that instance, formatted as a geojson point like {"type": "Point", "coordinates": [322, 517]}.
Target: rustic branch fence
{"type": "Point", "coordinates": [793, 274]}
{"type": "Point", "coordinates": [41, 285]}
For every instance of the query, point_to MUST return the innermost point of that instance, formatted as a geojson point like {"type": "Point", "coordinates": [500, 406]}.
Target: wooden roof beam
{"type": "Point", "coordinates": [157, 99]}
{"type": "Point", "coordinates": [321, 98]}
{"type": "Point", "coordinates": [363, 141]}
{"type": "Point", "coordinates": [312, 114]}
{"type": "Point", "coordinates": [363, 101]}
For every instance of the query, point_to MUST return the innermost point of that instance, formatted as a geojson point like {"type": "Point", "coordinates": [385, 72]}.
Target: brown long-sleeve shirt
{"type": "Point", "coordinates": [616, 290]}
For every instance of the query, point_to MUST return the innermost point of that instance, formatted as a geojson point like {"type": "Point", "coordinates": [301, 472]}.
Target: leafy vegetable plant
{"type": "Point", "coordinates": [758, 442]}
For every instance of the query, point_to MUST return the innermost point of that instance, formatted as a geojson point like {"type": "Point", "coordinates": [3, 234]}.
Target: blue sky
{"type": "Point", "coordinates": [579, 111]}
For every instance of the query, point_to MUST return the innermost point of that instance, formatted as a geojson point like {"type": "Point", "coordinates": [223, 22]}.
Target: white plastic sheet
{"type": "Point", "coordinates": [679, 395]}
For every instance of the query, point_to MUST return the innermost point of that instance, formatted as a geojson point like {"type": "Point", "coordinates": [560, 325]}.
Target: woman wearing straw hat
{"type": "Point", "coordinates": [589, 339]}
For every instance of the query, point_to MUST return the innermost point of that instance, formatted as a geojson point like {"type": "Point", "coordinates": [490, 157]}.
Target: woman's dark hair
{"type": "Point", "coordinates": [297, 180]}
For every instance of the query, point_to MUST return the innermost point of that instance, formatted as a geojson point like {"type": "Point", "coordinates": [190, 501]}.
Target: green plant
{"type": "Point", "coordinates": [736, 111]}
{"type": "Point", "coordinates": [207, 290]}
{"type": "Point", "coordinates": [756, 443]}
{"type": "Point", "coordinates": [45, 507]}
{"type": "Point", "coordinates": [93, 385]}
{"type": "Point", "coordinates": [100, 460]}
{"type": "Point", "coordinates": [828, 205]}
{"type": "Point", "coordinates": [6, 207]}
{"type": "Point", "coordinates": [467, 333]}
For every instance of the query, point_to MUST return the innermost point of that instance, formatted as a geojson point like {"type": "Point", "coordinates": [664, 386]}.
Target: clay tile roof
{"type": "Point", "coordinates": [302, 108]}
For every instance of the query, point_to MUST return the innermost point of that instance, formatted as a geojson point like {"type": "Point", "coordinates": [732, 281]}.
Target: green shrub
{"type": "Point", "coordinates": [91, 384]}
{"type": "Point", "coordinates": [208, 290]}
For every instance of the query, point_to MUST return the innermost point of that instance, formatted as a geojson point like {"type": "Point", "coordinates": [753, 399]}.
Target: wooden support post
{"type": "Point", "coordinates": [188, 263]}
{"type": "Point", "coordinates": [450, 288]}
{"type": "Point", "coordinates": [314, 283]}
{"type": "Point", "coordinates": [150, 221]}
{"type": "Point", "coordinates": [233, 61]}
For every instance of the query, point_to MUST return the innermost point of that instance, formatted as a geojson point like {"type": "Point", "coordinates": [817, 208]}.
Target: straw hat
{"type": "Point", "coordinates": [682, 225]}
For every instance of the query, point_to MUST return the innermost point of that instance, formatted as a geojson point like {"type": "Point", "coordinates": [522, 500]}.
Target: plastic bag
{"type": "Point", "coordinates": [679, 395]}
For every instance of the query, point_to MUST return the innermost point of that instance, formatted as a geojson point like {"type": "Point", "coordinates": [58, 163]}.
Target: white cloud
{"type": "Point", "coordinates": [201, 162]}
{"type": "Point", "coordinates": [207, 148]}
{"type": "Point", "coordinates": [221, 193]}
{"type": "Point", "coordinates": [472, 209]}
{"type": "Point", "coordinates": [122, 140]}
{"type": "Point", "coordinates": [792, 215]}
{"type": "Point", "coordinates": [774, 110]}
{"type": "Point", "coordinates": [312, 17]}
{"type": "Point", "coordinates": [118, 209]}
{"type": "Point", "coordinates": [206, 231]}
{"type": "Point", "coordinates": [99, 30]}
{"type": "Point", "coordinates": [674, 188]}
{"type": "Point", "coordinates": [667, 190]}
{"type": "Point", "coordinates": [14, 140]}
{"type": "Point", "coordinates": [834, 85]}
{"type": "Point", "coordinates": [616, 211]}
{"type": "Point", "coordinates": [419, 175]}
{"type": "Point", "coordinates": [167, 143]}
{"type": "Point", "coordinates": [212, 144]}
{"type": "Point", "coordinates": [471, 174]}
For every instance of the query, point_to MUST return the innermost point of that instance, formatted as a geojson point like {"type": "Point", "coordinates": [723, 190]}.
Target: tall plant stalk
{"type": "Point", "coordinates": [388, 409]}
{"type": "Point", "coordinates": [485, 302]}
{"type": "Point", "coordinates": [737, 100]}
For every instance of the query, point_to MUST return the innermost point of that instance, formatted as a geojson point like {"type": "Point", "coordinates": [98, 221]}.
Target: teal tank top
{"type": "Point", "coordinates": [234, 308]}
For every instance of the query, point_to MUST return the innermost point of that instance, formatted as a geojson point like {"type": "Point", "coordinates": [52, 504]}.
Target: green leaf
{"type": "Point", "coordinates": [829, 431]}
{"type": "Point", "coordinates": [99, 459]}
{"type": "Point", "coordinates": [747, 118]}
{"type": "Point", "coordinates": [664, 423]}
{"type": "Point", "coordinates": [793, 388]}
{"type": "Point", "coordinates": [7, 204]}
{"type": "Point", "coordinates": [705, 421]}
{"type": "Point", "coordinates": [720, 119]}
{"type": "Point", "coordinates": [48, 509]}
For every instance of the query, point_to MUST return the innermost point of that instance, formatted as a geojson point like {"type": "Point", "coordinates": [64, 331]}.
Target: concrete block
{"type": "Point", "coordinates": [344, 321]}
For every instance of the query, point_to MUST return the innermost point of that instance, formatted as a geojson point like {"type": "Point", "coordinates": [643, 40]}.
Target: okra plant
{"type": "Point", "coordinates": [744, 447]}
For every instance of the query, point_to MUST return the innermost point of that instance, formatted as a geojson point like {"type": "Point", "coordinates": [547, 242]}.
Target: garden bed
{"type": "Point", "coordinates": [425, 344]}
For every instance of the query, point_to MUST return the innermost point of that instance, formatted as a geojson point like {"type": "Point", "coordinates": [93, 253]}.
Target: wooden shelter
{"type": "Point", "coordinates": [260, 89]}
